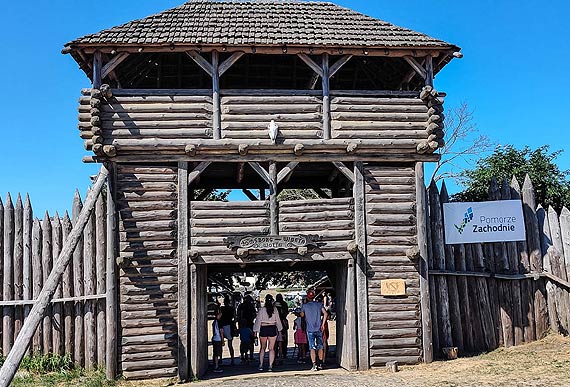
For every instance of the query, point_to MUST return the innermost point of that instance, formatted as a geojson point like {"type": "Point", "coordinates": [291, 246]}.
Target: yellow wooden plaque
{"type": "Point", "coordinates": [393, 287]}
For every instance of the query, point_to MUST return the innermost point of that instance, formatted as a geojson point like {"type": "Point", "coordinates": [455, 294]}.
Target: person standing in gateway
{"type": "Point", "coordinates": [315, 316]}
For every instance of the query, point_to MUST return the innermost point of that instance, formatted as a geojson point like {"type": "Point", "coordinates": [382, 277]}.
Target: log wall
{"type": "Point", "coordinates": [247, 117]}
{"type": "Point", "coordinates": [211, 222]}
{"type": "Point", "coordinates": [123, 122]}
{"type": "Point", "coordinates": [394, 322]}
{"type": "Point", "coordinates": [148, 275]}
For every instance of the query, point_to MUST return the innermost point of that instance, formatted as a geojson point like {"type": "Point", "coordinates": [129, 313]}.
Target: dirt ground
{"type": "Point", "coordinates": [543, 363]}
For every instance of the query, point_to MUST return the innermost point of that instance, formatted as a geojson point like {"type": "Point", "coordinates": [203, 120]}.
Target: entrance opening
{"type": "Point", "coordinates": [241, 291]}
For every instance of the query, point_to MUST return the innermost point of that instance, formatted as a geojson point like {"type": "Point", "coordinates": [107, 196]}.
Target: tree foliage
{"type": "Point", "coordinates": [551, 184]}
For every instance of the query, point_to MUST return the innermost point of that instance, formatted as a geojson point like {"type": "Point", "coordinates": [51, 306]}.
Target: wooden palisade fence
{"type": "Point", "coordinates": [59, 262]}
{"type": "Point", "coordinates": [485, 295]}
{"type": "Point", "coordinates": [482, 295]}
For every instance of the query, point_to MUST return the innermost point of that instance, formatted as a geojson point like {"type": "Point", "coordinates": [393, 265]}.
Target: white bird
{"type": "Point", "coordinates": [273, 131]}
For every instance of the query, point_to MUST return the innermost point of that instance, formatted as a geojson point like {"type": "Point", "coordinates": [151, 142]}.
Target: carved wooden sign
{"type": "Point", "coordinates": [393, 287]}
{"type": "Point", "coordinates": [271, 242]}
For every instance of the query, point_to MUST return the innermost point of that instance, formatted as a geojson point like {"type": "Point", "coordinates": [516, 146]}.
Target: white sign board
{"type": "Point", "coordinates": [495, 221]}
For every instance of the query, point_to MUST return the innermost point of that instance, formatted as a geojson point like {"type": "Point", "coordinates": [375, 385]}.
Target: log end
{"type": "Point", "coordinates": [299, 148]}
{"type": "Point", "coordinates": [190, 150]}
{"type": "Point", "coordinates": [110, 150]}
{"type": "Point", "coordinates": [302, 250]}
{"type": "Point", "coordinates": [413, 253]}
{"type": "Point", "coordinates": [352, 247]}
{"type": "Point", "coordinates": [243, 149]}
{"type": "Point", "coordinates": [392, 366]}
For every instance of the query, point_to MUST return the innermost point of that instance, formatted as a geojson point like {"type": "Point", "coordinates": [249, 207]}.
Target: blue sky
{"type": "Point", "coordinates": [514, 76]}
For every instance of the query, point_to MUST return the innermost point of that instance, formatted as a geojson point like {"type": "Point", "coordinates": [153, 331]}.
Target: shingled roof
{"type": "Point", "coordinates": [263, 23]}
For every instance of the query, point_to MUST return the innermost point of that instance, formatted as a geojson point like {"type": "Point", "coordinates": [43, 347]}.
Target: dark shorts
{"type": "Point", "coordinates": [268, 331]}
{"type": "Point", "coordinates": [217, 348]}
{"type": "Point", "coordinates": [244, 347]}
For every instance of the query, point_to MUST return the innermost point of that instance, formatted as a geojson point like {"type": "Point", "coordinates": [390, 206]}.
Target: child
{"type": "Point", "coordinates": [299, 326]}
{"type": "Point", "coordinates": [217, 340]}
{"type": "Point", "coordinates": [246, 338]}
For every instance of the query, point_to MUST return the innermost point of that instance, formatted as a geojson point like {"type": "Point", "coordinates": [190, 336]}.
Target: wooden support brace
{"type": "Point", "coordinates": [338, 65]}
{"type": "Point", "coordinates": [249, 195]}
{"type": "Point", "coordinates": [286, 172]}
{"type": "Point", "coordinates": [198, 171]}
{"type": "Point", "coordinates": [111, 307]}
{"type": "Point", "coordinates": [326, 98]}
{"type": "Point", "coordinates": [230, 62]}
{"type": "Point", "coordinates": [311, 63]}
{"type": "Point", "coordinates": [260, 171]}
{"type": "Point", "coordinates": [113, 63]}
{"type": "Point", "coordinates": [344, 170]}
{"type": "Point", "coordinates": [322, 194]}
{"type": "Point", "coordinates": [240, 172]}
{"type": "Point", "coordinates": [36, 315]}
{"type": "Point", "coordinates": [200, 61]}
{"type": "Point", "coordinates": [273, 206]}
{"type": "Point", "coordinates": [216, 103]}
{"type": "Point", "coordinates": [416, 66]}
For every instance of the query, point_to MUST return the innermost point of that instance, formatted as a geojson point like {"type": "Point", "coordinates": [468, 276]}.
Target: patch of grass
{"type": "Point", "coordinates": [56, 370]}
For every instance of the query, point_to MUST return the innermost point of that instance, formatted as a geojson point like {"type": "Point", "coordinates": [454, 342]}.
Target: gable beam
{"type": "Point", "coordinates": [338, 65]}
{"type": "Point", "coordinates": [416, 66]}
{"type": "Point", "coordinates": [311, 63]}
{"type": "Point", "coordinates": [429, 71]}
{"type": "Point", "coordinates": [225, 66]}
{"type": "Point", "coordinates": [113, 63]}
{"type": "Point", "coordinates": [200, 61]}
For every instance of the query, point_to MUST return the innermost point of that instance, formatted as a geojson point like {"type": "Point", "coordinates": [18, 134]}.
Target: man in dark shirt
{"type": "Point", "coordinates": [227, 321]}
{"type": "Point", "coordinates": [246, 311]}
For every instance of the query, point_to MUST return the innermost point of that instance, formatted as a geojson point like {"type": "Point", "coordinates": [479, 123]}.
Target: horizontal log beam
{"type": "Point", "coordinates": [53, 301]}
{"type": "Point", "coordinates": [418, 52]}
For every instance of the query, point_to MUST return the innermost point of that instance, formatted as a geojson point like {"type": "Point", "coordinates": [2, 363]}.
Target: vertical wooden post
{"type": "Point", "coordinates": [429, 70]}
{"type": "Point", "coordinates": [198, 328]}
{"type": "Point", "coordinates": [14, 358]}
{"type": "Point", "coordinates": [18, 261]}
{"type": "Point", "coordinates": [529, 330]}
{"type": "Point", "coordinates": [89, 287]}
{"type": "Point", "coordinates": [8, 291]}
{"type": "Point", "coordinates": [442, 293]}
{"type": "Point", "coordinates": [535, 256]}
{"type": "Point", "coordinates": [216, 113]}
{"type": "Point", "coordinates": [97, 66]}
{"type": "Point", "coordinates": [37, 277]}
{"type": "Point", "coordinates": [361, 267]}
{"type": "Point", "coordinates": [67, 292]}
{"type": "Point", "coordinates": [454, 300]}
{"type": "Point", "coordinates": [273, 209]}
{"type": "Point", "coordinates": [47, 264]}
{"type": "Point", "coordinates": [183, 285]}
{"type": "Point", "coordinates": [326, 98]}
{"type": "Point", "coordinates": [111, 347]}
{"type": "Point", "coordinates": [27, 264]}
{"type": "Point", "coordinates": [79, 343]}
{"type": "Point", "coordinates": [57, 308]}
{"type": "Point", "coordinates": [100, 250]}
{"type": "Point", "coordinates": [421, 216]}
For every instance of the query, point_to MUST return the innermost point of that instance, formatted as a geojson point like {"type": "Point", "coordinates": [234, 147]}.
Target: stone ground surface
{"type": "Point", "coordinates": [542, 363]}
